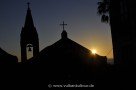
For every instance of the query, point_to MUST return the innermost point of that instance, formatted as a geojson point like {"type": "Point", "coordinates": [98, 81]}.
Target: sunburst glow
{"type": "Point", "coordinates": [94, 51]}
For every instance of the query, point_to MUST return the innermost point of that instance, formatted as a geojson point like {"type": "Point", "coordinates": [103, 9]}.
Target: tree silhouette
{"type": "Point", "coordinates": [103, 10]}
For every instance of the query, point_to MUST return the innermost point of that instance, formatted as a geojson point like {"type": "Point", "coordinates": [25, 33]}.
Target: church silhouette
{"type": "Point", "coordinates": [64, 47]}
{"type": "Point", "coordinates": [65, 54]}
{"type": "Point", "coordinates": [63, 60]}
{"type": "Point", "coordinates": [62, 53]}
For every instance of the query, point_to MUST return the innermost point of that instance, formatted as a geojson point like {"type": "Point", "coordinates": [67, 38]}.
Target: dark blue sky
{"type": "Point", "coordinates": [84, 25]}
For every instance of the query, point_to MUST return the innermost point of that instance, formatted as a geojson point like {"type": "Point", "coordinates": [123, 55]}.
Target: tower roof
{"type": "Point", "coordinates": [29, 19]}
{"type": "Point", "coordinates": [29, 34]}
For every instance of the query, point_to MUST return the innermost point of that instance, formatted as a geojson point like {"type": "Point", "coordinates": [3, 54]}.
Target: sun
{"type": "Point", "coordinates": [94, 51]}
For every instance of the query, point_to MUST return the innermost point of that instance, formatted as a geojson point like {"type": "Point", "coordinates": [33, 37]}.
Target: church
{"type": "Point", "coordinates": [65, 54]}
{"type": "Point", "coordinates": [29, 41]}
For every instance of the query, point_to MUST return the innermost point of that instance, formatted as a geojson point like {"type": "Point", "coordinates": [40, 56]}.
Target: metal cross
{"type": "Point", "coordinates": [63, 25]}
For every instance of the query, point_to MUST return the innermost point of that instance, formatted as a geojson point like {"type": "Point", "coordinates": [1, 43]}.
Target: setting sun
{"type": "Point", "coordinates": [94, 51]}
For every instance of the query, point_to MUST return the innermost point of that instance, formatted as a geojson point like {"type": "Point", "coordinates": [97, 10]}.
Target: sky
{"type": "Point", "coordinates": [84, 25]}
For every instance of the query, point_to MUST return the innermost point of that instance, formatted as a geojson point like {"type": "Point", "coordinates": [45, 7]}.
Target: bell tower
{"type": "Point", "coordinates": [29, 37]}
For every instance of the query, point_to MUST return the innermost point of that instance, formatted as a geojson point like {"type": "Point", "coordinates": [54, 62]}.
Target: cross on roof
{"type": "Point", "coordinates": [63, 25]}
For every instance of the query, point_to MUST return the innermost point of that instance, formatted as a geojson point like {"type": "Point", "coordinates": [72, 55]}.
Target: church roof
{"type": "Point", "coordinates": [66, 59]}
{"type": "Point", "coordinates": [65, 49]}
{"type": "Point", "coordinates": [65, 46]}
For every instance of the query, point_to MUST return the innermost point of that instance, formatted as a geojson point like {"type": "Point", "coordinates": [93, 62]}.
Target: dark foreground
{"type": "Point", "coordinates": [39, 76]}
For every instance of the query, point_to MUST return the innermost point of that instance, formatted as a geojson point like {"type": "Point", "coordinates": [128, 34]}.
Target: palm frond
{"type": "Point", "coordinates": [103, 10]}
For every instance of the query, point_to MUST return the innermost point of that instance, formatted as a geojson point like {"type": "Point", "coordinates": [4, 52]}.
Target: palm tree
{"type": "Point", "coordinates": [103, 10]}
